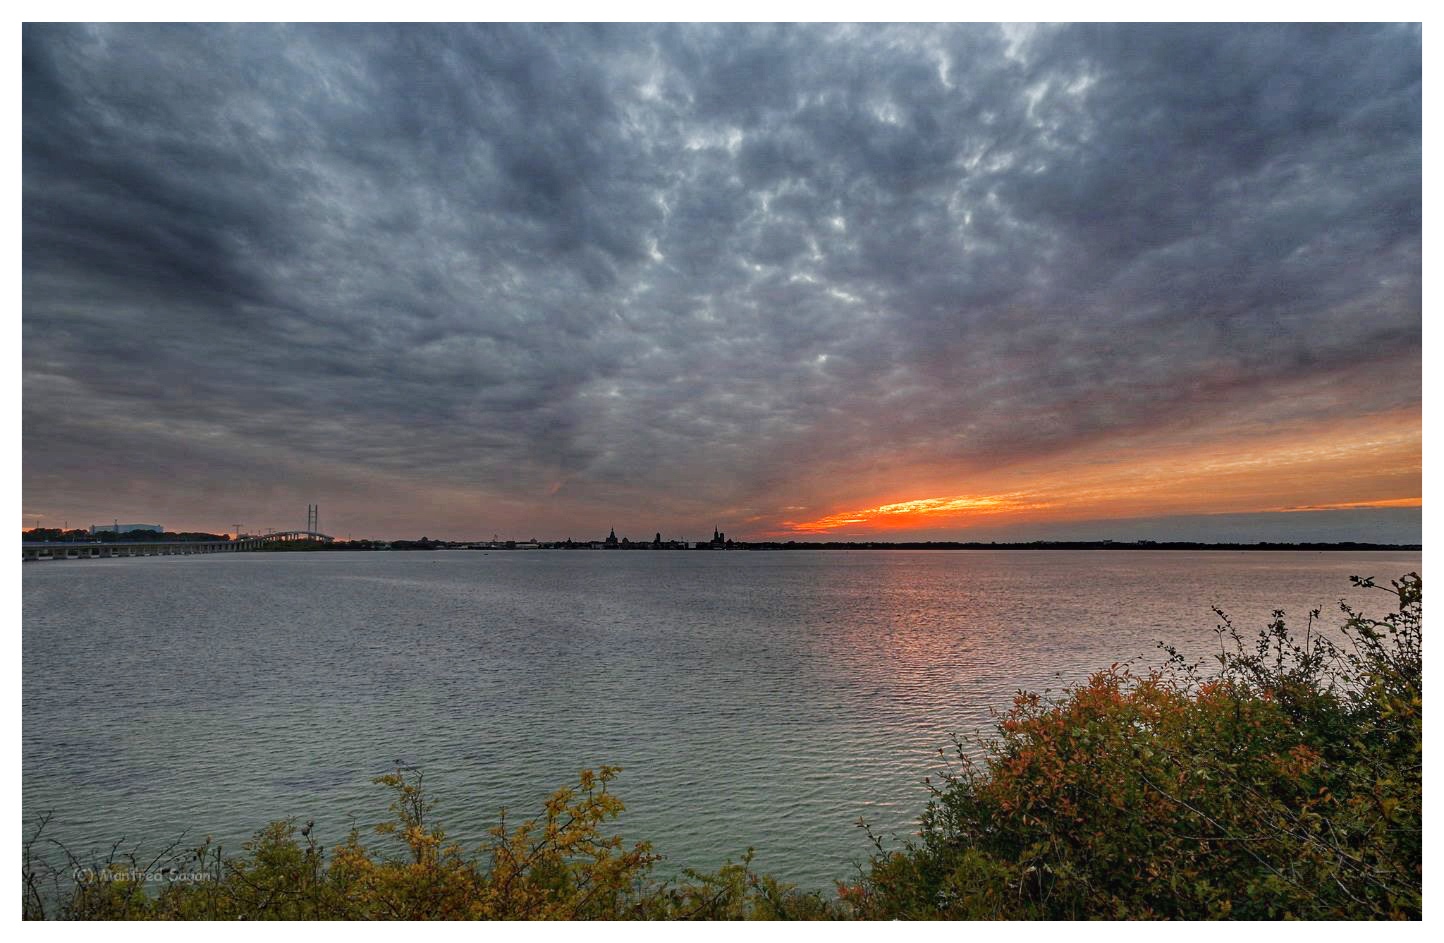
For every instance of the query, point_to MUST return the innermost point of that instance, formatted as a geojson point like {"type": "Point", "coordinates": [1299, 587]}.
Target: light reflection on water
{"type": "Point", "coordinates": [754, 699]}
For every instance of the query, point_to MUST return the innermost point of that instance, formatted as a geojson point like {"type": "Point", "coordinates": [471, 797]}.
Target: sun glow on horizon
{"type": "Point", "coordinates": [1357, 505]}
{"type": "Point", "coordinates": [1369, 463]}
{"type": "Point", "coordinates": [908, 511]}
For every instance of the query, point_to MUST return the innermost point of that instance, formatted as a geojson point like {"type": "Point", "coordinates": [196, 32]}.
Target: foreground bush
{"type": "Point", "coordinates": [1286, 783]}
{"type": "Point", "coordinates": [560, 866]}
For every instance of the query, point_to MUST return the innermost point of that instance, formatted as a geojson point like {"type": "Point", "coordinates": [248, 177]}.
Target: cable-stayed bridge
{"type": "Point", "coordinates": [76, 550]}
{"type": "Point", "coordinates": [102, 549]}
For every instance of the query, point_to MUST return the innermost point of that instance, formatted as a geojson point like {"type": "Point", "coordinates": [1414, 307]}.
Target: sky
{"type": "Point", "coordinates": [796, 282]}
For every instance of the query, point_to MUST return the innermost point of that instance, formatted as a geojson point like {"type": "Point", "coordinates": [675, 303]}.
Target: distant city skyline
{"type": "Point", "coordinates": [958, 282]}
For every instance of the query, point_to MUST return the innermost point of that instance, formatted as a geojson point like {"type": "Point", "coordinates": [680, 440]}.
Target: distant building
{"type": "Point", "coordinates": [127, 528]}
{"type": "Point", "coordinates": [612, 539]}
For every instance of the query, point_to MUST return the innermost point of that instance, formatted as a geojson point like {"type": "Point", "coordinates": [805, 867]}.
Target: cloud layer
{"type": "Point", "coordinates": [465, 279]}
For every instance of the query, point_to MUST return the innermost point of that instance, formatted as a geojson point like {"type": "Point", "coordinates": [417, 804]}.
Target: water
{"type": "Point", "coordinates": [754, 699]}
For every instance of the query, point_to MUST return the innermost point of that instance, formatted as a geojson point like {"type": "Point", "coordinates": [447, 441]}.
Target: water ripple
{"type": "Point", "coordinates": [766, 700]}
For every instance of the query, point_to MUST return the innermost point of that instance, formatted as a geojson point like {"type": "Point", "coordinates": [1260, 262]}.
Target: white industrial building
{"type": "Point", "coordinates": [127, 528]}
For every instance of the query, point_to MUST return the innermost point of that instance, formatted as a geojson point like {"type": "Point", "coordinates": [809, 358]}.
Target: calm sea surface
{"type": "Point", "coordinates": [753, 698]}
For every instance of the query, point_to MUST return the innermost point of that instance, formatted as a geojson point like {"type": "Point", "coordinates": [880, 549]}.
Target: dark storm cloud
{"type": "Point", "coordinates": [716, 267]}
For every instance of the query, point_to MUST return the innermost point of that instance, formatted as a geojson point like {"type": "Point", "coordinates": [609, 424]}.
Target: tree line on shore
{"type": "Point", "coordinates": [82, 535]}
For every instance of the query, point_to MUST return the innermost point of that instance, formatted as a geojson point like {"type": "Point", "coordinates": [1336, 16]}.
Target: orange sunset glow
{"type": "Point", "coordinates": [1362, 464]}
